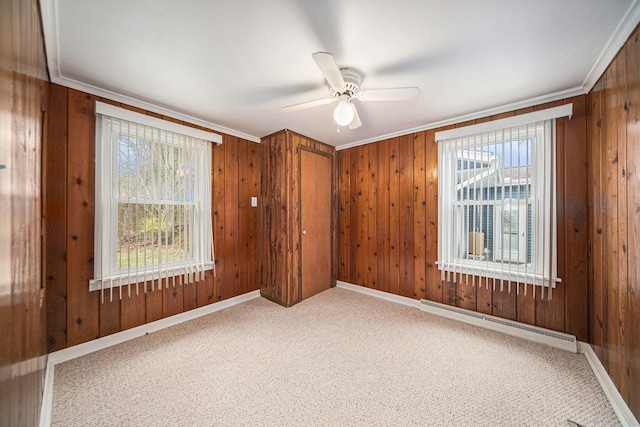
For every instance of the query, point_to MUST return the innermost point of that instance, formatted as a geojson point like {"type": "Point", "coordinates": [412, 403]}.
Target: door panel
{"type": "Point", "coordinates": [315, 189]}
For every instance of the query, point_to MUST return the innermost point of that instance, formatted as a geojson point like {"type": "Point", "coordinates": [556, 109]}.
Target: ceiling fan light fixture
{"type": "Point", "coordinates": [344, 114]}
{"type": "Point", "coordinates": [344, 86]}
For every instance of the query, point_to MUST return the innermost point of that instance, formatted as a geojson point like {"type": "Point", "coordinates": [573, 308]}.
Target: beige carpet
{"type": "Point", "coordinates": [337, 359]}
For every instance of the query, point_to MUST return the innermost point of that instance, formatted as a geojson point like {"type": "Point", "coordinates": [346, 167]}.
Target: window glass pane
{"type": "Point", "coordinates": [148, 233]}
{"type": "Point", "coordinates": [154, 183]}
{"type": "Point", "coordinates": [133, 175]}
{"type": "Point", "coordinates": [488, 176]}
{"type": "Point", "coordinates": [153, 171]}
{"type": "Point", "coordinates": [512, 154]}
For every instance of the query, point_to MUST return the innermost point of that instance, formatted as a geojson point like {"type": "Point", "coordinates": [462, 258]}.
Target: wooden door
{"type": "Point", "coordinates": [315, 199]}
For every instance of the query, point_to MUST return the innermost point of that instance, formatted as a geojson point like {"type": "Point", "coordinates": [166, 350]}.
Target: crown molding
{"type": "Point", "coordinates": [616, 41]}
{"type": "Point", "coordinates": [472, 116]}
{"type": "Point", "coordinates": [148, 106]}
{"type": "Point", "coordinates": [49, 13]}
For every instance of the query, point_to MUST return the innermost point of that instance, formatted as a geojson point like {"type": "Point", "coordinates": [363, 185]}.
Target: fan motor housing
{"type": "Point", "coordinates": [352, 80]}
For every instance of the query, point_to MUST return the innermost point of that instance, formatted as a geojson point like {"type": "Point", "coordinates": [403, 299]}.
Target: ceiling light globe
{"type": "Point", "coordinates": [343, 114]}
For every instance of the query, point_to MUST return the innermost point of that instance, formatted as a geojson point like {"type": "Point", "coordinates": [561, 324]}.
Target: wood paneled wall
{"type": "Point", "coordinates": [388, 227]}
{"type": "Point", "coordinates": [23, 91]}
{"type": "Point", "coordinates": [75, 314]}
{"type": "Point", "coordinates": [279, 205]}
{"type": "Point", "coordinates": [614, 215]}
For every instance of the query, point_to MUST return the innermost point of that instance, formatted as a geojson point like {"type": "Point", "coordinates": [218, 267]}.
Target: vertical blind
{"type": "Point", "coordinates": [153, 203]}
{"type": "Point", "coordinates": [496, 202]}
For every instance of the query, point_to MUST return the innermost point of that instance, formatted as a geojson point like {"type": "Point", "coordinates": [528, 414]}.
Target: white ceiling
{"type": "Point", "coordinates": [233, 64]}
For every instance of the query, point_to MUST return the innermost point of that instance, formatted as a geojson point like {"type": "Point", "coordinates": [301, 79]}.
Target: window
{"type": "Point", "coordinates": [153, 201]}
{"type": "Point", "coordinates": [496, 199]}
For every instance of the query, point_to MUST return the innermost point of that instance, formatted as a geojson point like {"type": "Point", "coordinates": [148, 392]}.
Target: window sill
{"type": "Point", "coordinates": [511, 272]}
{"type": "Point", "coordinates": [119, 280]}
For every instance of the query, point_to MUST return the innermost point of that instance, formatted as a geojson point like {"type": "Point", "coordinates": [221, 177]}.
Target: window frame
{"type": "Point", "coordinates": [106, 273]}
{"type": "Point", "coordinates": [542, 217]}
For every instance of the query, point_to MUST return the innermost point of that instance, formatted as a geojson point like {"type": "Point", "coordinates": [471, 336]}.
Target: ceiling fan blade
{"type": "Point", "coordinates": [393, 94]}
{"type": "Point", "coordinates": [309, 104]}
{"type": "Point", "coordinates": [355, 123]}
{"type": "Point", "coordinates": [329, 69]}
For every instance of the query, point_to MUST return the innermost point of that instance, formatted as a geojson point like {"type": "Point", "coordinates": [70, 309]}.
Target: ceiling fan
{"type": "Point", "coordinates": [344, 87]}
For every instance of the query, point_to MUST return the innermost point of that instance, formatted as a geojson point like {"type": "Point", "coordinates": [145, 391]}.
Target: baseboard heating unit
{"type": "Point", "coordinates": [521, 330]}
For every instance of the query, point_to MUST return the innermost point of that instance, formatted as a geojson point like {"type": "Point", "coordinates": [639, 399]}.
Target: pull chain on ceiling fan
{"type": "Point", "coordinates": [344, 87]}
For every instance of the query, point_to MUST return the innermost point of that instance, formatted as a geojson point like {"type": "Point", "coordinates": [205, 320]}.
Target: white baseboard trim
{"type": "Point", "coordinates": [618, 404]}
{"type": "Point", "coordinates": [516, 329]}
{"type": "Point", "coordinates": [533, 333]}
{"type": "Point", "coordinates": [129, 334]}
{"type": "Point", "coordinates": [47, 396]}
{"type": "Point", "coordinates": [120, 337]}
{"type": "Point", "coordinates": [379, 294]}
{"type": "Point", "coordinates": [620, 407]}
